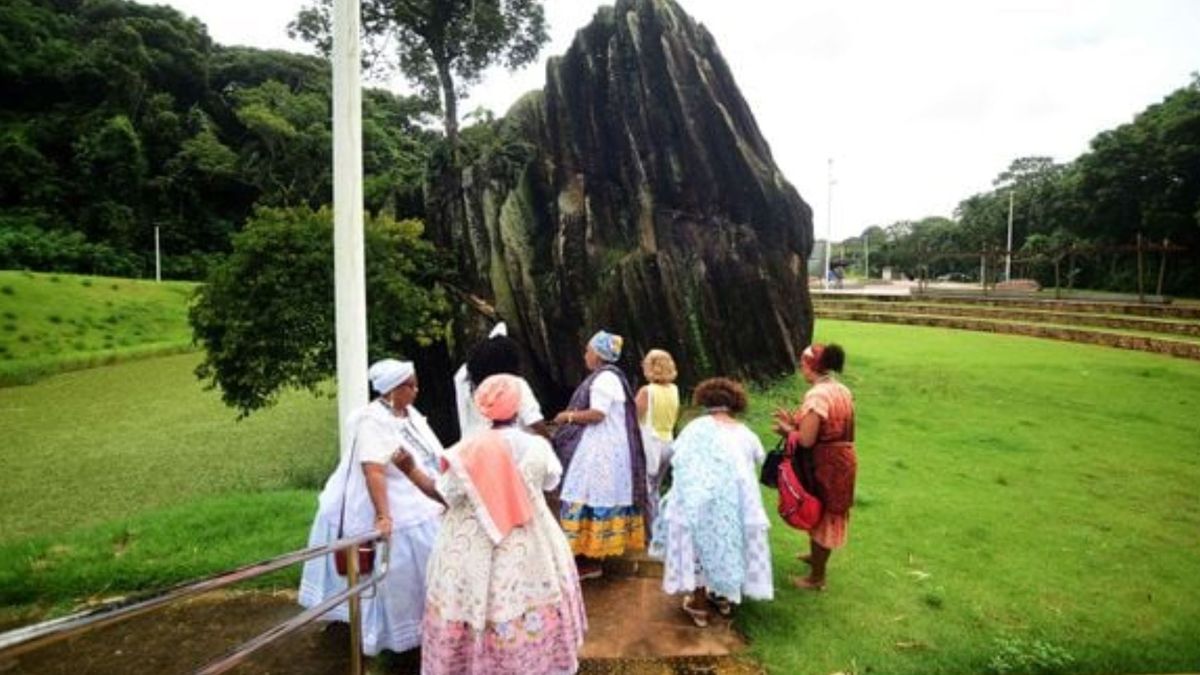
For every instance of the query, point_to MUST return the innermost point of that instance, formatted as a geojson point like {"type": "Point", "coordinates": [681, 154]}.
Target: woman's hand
{"type": "Point", "coordinates": [565, 417]}
{"type": "Point", "coordinates": [784, 423]}
{"type": "Point", "coordinates": [383, 524]}
{"type": "Point", "coordinates": [403, 460]}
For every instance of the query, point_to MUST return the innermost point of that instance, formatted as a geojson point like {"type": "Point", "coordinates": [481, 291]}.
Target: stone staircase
{"type": "Point", "coordinates": [1164, 329]}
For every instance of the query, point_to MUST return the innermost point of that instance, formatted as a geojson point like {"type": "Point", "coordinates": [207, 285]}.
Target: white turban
{"type": "Point", "coordinates": [388, 374]}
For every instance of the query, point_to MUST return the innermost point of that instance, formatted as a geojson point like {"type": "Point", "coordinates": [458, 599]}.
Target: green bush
{"type": "Point", "coordinates": [265, 318]}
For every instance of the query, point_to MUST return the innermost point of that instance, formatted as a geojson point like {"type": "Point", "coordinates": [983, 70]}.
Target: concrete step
{"type": "Point", "coordinates": [1138, 342]}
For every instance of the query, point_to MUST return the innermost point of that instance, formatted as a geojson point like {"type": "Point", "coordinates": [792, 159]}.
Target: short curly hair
{"type": "Point", "coordinates": [659, 367]}
{"type": "Point", "coordinates": [721, 392]}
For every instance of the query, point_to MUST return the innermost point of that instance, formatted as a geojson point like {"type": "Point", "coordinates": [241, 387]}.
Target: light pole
{"type": "Point", "coordinates": [828, 225]}
{"type": "Point", "coordinates": [866, 255]}
{"type": "Point", "coordinates": [350, 295]}
{"type": "Point", "coordinates": [1008, 251]}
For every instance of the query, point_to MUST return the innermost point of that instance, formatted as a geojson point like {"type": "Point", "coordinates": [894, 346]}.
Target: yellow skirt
{"type": "Point", "coordinates": [602, 532]}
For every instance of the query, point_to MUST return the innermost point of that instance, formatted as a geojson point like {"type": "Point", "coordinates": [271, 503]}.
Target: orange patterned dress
{"type": "Point", "coordinates": [835, 461]}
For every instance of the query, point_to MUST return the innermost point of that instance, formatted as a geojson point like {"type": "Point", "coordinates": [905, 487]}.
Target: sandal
{"type": "Point", "coordinates": [808, 583]}
{"type": "Point", "coordinates": [699, 616]}
{"type": "Point", "coordinates": [723, 605]}
{"type": "Point", "coordinates": [587, 572]}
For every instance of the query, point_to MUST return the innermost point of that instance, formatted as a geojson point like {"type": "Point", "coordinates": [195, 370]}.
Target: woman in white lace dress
{"type": "Point", "coordinates": [503, 594]}
{"type": "Point", "coordinates": [604, 493]}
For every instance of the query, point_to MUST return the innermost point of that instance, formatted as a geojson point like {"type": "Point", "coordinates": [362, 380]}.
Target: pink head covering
{"type": "Point", "coordinates": [485, 465]}
{"type": "Point", "coordinates": [499, 397]}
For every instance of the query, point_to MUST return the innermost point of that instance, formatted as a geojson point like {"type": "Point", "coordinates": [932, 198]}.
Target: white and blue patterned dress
{"type": "Point", "coordinates": [712, 528]}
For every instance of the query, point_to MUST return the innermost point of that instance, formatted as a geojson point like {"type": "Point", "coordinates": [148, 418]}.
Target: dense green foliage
{"type": "Point", "coordinates": [117, 117]}
{"type": "Point", "coordinates": [266, 316]}
{"type": "Point", "coordinates": [55, 322]}
{"type": "Point", "coordinates": [1142, 177]}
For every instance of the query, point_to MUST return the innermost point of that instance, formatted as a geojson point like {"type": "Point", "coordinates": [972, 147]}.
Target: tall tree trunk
{"type": "Point", "coordinates": [449, 106]}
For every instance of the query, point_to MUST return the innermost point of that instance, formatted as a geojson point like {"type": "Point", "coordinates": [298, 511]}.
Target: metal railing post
{"type": "Point", "coordinates": [355, 602]}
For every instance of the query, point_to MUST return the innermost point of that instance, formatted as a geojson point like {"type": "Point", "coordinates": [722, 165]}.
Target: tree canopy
{"type": "Point", "coordinates": [440, 46]}
{"type": "Point", "coordinates": [117, 117]}
{"type": "Point", "coordinates": [266, 316]}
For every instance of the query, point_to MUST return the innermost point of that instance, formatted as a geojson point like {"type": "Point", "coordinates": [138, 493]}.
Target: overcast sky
{"type": "Point", "coordinates": [919, 103]}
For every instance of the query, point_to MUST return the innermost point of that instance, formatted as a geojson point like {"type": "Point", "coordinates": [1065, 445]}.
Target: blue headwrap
{"type": "Point", "coordinates": [607, 345]}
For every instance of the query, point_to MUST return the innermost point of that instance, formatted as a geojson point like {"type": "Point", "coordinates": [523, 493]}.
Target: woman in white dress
{"type": "Point", "coordinates": [604, 493]}
{"type": "Point", "coordinates": [503, 593]}
{"type": "Point", "coordinates": [497, 355]}
{"type": "Point", "coordinates": [366, 491]}
{"type": "Point", "coordinates": [712, 528]}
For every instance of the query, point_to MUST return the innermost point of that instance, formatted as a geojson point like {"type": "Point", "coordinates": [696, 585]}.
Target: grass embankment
{"type": "Point", "coordinates": [1018, 499]}
{"type": "Point", "coordinates": [52, 323]}
{"type": "Point", "coordinates": [133, 476]}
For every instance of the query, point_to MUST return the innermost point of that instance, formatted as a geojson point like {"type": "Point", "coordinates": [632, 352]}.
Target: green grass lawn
{"type": "Point", "coordinates": [1017, 497]}
{"type": "Point", "coordinates": [132, 476]}
{"type": "Point", "coordinates": [55, 322]}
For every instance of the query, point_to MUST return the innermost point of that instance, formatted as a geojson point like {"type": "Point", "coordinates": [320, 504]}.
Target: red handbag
{"type": "Point", "coordinates": [797, 506]}
{"type": "Point", "coordinates": [366, 559]}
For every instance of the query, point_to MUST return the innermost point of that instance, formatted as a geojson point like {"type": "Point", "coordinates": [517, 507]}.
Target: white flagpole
{"type": "Point", "coordinates": [350, 295]}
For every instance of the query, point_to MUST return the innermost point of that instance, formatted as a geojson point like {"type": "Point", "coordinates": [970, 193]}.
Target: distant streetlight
{"type": "Point", "coordinates": [1008, 251]}
{"type": "Point", "coordinates": [828, 225]}
{"type": "Point", "coordinates": [866, 255]}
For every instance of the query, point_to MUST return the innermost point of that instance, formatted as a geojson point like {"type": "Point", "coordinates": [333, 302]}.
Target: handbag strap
{"type": "Point", "coordinates": [346, 484]}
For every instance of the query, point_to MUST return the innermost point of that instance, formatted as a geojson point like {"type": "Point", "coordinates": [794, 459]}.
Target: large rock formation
{"type": "Point", "coordinates": [635, 193]}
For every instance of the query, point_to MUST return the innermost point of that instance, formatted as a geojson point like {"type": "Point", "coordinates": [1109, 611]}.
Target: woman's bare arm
{"type": "Point", "coordinates": [408, 466]}
{"type": "Point", "coordinates": [377, 489]}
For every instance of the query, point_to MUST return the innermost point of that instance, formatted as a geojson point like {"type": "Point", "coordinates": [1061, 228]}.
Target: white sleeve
{"type": "Point", "coordinates": [554, 469]}
{"type": "Point", "coordinates": [605, 391]}
{"type": "Point", "coordinates": [371, 442]}
{"type": "Point", "coordinates": [754, 444]}
{"type": "Point", "coordinates": [530, 412]}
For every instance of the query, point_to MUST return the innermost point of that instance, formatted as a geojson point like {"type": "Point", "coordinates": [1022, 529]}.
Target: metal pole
{"type": "Point", "coordinates": [1008, 253]}
{"type": "Point", "coordinates": [828, 224]}
{"type": "Point", "coordinates": [157, 257]}
{"type": "Point", "coordinates": [1141, 286]}
{"type": "Point", "coordinates": [1162, 267]}
{"type": "Point", "coordinates": [355, 606]}
{"type": "Point", "coordinates": [866, 256]}
{"type": "Point", "coordinates": [350, 296]}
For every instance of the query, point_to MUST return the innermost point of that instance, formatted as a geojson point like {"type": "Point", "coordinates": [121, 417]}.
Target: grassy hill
{"type": "Point", "coordinates": [55, 322]}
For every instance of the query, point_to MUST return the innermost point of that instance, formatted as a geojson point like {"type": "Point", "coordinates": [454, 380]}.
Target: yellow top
{"type": "Point", "coordinates": [664, 409]}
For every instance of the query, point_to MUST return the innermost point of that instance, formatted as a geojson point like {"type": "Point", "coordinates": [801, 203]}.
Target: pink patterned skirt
{"type": "Point", "coordinates": [544, 640]}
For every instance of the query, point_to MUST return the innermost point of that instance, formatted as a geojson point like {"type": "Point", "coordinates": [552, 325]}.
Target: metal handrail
{"type": "Point", "coordinates": [22, 640]}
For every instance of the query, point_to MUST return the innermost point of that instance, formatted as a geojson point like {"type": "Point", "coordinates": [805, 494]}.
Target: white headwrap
{"type": "Point", "coordinates": [388, 374]}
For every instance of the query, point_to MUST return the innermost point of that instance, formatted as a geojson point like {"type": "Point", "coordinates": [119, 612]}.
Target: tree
{"type": "Point", "coordinates": [437, 41]}
{"type": "Point", "coordinates": [266, 316]}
